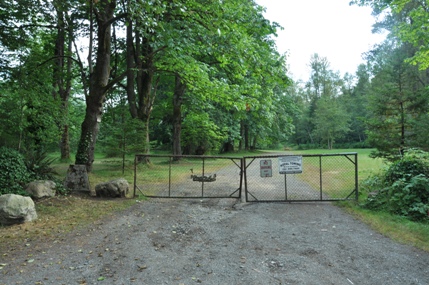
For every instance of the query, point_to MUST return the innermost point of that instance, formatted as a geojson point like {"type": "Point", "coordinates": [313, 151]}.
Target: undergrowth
{"type": "Point", "coordinates": [403, 189]}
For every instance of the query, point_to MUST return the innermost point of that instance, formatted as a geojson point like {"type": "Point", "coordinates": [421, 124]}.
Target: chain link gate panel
{"type": "Point", "coordinates": [170, 176]}
{"type": "Point", "coordinates": [298, 178]}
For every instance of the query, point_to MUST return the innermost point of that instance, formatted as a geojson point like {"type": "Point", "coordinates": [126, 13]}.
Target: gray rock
{"type": "Point", "coordinates": [41, 189]}
{"type": "Point", "coordinates": [114, 189]}
{"type": "Point", "coordinates": [77, 179]}
{"type": "Point", "coordinates": [16, 209]}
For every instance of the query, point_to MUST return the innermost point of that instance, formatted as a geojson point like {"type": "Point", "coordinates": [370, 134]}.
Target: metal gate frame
{"type": "Point", "coordinates": [172, 158]}
{"type": "Point", "coordinates": [243, 165]}
{"type": "Point", "coordinates": [354, 194]}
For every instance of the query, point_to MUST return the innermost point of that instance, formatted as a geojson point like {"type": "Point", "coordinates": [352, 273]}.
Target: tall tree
{"type": "Point", "coordinates": [324, 84]}
{"type": "Point", "coordinates": [331, 121]}
{"type": "Point", "coordinates": [25, 31]}
{"type": "Point", "coordinates": [29, 23]}
{"type": "Point", "coordinates": [62, 72]}
{"type": "Point", "coordinates": [178, 94]}
{"type": "Point", "coordinates": [398, 96]}
{"type": "Point", "coordinates": [164, 44]}
{"type": "Point", "coordinates": [99, 78]}
{"type": "Point", "coordinates": [210, 50]}
{"type": "Point", "coordinates": [357, 105]}
{"type": "Point", "coordinates": [409, 21]}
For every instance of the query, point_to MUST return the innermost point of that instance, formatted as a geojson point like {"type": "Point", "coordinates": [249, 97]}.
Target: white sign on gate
{"type": "Point", "coordinates": [290, 164]}
{"type": "Point", "coordinates": [266, 168]}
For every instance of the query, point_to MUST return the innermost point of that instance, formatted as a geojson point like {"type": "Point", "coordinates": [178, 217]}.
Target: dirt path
{"type": "Point", "coordinates": [219, 242]}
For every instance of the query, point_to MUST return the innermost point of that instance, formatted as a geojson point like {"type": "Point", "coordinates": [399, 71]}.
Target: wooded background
{"type": "Point", "coordinates": [198, 77]}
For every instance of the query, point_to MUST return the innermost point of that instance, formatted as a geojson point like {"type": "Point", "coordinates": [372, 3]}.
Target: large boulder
{"type": "Point", "coordinates": [41, 189]}
{"type": "Point", "coordinates": [16, 209]}
{"type": "Point", "coordinates": [113, 189]}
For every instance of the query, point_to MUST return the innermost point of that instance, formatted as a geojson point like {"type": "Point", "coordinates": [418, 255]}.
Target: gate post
{"type": "Point", "coordinates": [356, 178]}
{"type": "Point", "coordinates": [135, 175]}
{"type": "Point", "coordinates": [241, 177]}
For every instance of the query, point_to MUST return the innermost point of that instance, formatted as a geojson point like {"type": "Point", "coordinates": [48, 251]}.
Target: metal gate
{"type": "Point", "coordinates": [271, 178]}
{"type": "Point", "coordinates": [298, 178]}
{"type": "Point", "coordinates": [170, 176]}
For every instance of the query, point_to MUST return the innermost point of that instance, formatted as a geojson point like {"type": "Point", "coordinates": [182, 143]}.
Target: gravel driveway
{"type": "Point", "coordinates": [219, 241]}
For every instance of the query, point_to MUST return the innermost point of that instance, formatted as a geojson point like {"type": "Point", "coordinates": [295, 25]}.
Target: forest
{"type": "Point", "coordinates": [199, 77]}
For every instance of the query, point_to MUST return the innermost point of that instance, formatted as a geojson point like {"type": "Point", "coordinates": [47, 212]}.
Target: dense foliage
{"type": "Point", "coordinates": [121, 77]}
{"type": "Point", "coordinates": [17, 170]}
{"type": "Point", "coordinates": [403, 189]}
{"type": "Point", "coordinates": [13, 172]}
{"type": "Point", "coordinates": [159, 62]}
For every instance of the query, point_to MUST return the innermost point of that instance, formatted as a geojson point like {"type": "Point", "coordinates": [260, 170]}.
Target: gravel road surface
{"type": "Point", "coordinates": [218, 241]}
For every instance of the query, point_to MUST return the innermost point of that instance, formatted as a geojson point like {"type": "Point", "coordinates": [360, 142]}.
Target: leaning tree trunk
{"type": "Point", "coordinates": [179, 91]}
{"type": "Point", "coordinates": [99, 79]}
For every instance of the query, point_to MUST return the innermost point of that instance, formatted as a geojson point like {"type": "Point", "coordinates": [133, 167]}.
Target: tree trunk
{"type": "Point", "coordinates": [179, 91]}
{"type": "Point", "coordinates": [246, 136]}
{"type": "Point", "coordinates": [131, 53]}
{"type": "Point", "coordinates": [228, 147]}
{"type": "Point", "coordinates": [140, 56]}
{"type": "Point", "coordinates": [402, 144]}
{"type": "Point", "coordinates": [62, 79]}
{"type": "Point", "coordinates": [103, 10]}
{"type": "Point", "coordinates": [310, 136]}
{"type": "Point", "coordinates": [254, 141]}
{"type": "Point", "coordinates": [65, 143]}
{"type": "Point", "coordinates": [240, 143]}
{"type": "Point", "coordinates": [65, 136]}
{"type": "Point", "coordinates": [90, 128]}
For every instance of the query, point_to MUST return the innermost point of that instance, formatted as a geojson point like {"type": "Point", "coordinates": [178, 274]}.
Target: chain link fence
{"type": "Point", "coordinates": [328, 177]}
{"type": "Point", "coordinates": [290, 178]}
{"type": "Point", "coordinates": [168, 176]}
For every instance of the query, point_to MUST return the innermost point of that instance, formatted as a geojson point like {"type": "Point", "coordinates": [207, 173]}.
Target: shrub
{"type": "Point", "coordinates": [404, 187]}
{"type": "Point", "coordinates": [13, 172]}
{"type": "Point", "coordinates": [406, 168]}
{"type": "Point", "coordinates": [410, 198]}
{"type": "Point", "coordinates": [39, 167]}
{"type": "Point", "coordinates": [38, 164]}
